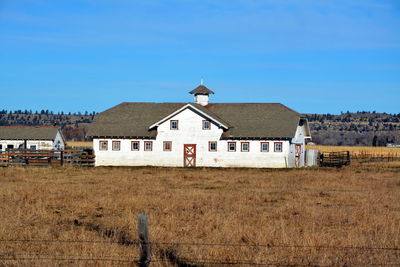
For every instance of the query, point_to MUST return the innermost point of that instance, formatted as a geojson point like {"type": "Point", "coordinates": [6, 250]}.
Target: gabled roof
{"type": "Point", "coordinates": [201, 90]}
{"type": "Point", "coordinates": [130, 119]}
{"type": "Point", "coordinates": [272, 120]}
{"type": "Point", "coordinates": [244, 120]}
{"type": "Point", "coordinates": [28, 132]}
{"type": "Point", "coordinates": [198, 108]}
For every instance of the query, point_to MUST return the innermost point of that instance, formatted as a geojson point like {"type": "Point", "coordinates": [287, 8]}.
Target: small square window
{"type": "Point", "coordinates": [135, 145]}
{"type": "Point", "coordinates": [278, 146]}
{"type": "Point", "coordinates": [212, 146]}
{"type": "Point", "coordinates": [245, 146]}
{"type": "Point", "coordinates": [103, 145]}
{"type": "Point", "coordinates": [1, 147]}
{"type": "Point", "coordinates": [206, 125]}
{"type": "Point", "coordinates": [167, 145]}
{"type": "Point", "coordinates": [174, 125]}
{"type": "Point", "coordinates": [264, 146]}
{"type": "Point", "coordinates": [32, 147]}
{"type": "Point", "coordinates": [148, 146]}
{"type": "Point", "coordinates": [116, 145]}
{"type": "Point", "coordinates": [231, 146]}
{"type": "Point", "coordinates": [10, 146]}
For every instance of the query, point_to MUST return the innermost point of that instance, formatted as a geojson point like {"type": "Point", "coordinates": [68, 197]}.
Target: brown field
{"type": "Point", "coordinates": [201, 217]}
{"type": "Point", "coordinates": [359, 150]}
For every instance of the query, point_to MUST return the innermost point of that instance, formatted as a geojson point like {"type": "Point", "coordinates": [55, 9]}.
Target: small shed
{"type": "Point", "coordinates": [29, 137]}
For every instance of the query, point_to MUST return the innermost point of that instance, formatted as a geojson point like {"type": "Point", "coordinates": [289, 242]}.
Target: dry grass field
{"type": "Point", "coordinates": [201, 217]}
{"type": "Point", "coordinates": [358, 150]}
{"type": "Point", "coordinates": [77, 144]}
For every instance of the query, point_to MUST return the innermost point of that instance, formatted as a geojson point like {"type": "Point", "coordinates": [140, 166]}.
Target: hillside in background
{"type": "Point", "coordinates": [350, 129]}
{"type": "Point", "coordinates": [354, 129]}
{"type": "Point", "coordinates": [73, 125]}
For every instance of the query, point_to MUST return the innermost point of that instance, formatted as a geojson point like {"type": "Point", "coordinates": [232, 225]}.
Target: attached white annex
{"type": "Point", "coordinates": [31, 137]}
{"type": "Point", "coordinates": [261, 135]}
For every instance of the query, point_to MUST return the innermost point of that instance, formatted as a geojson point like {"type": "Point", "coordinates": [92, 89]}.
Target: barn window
{"type": "Point", "coordinates": [174, 125]}
{"type": "Point", "coordinates": [245, 146]}
{"type": "Point", "coordinates": [32, 147]}
{"type": "Point", "coordinates": [135, 146]}
{"type": "Point", "coordinates": [167, 145]}
{"type": "Point", "coordinates": [103, 145]}
{"type": "Point", "coordinates": [264, 146]}
{"type": "Point", "coordinates": [148, 146]}
{"type": "Point", "coordinates": [231, 146]}
{"type": "Point", "coordinates": [278, 146]}
{"type": "Point", "coordinates": [206, 125]}
{"type": "Point", "coordinates": [116, 145]}
{"type": "Point", "coordinates": [212, 146]}
{"type": "Point", "coordinates": [1, 147]}
{"type": "Point", "coordinates": [10, 147]}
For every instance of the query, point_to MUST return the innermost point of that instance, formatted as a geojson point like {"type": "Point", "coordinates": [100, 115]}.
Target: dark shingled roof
{"type": "Point", "coordinates": [245, 120]}
{"type": "Point", "coordinates": [271, 120]}
{"type": "Point", "coordinates": [27, 132]}
{"type": "Point", "coordinates": [130, 119]}
{"type": "Point", "coordinates": [201, 90]}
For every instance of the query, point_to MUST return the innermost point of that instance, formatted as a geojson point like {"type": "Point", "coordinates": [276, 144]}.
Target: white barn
{"type": "Point", "coordinates": [260, 135]}
{"type": "Point", "coordinates": [31, 137]}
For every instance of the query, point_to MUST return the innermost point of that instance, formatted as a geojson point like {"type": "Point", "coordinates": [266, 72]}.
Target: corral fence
{"type": "Point", "coordinates": [334, 159]}
{"type": "Point", "coordinates": [47, 158]}
{"type": "Point", "coordinates": [156, 252]}
{"type": "Point", "coordinates": [375, 157]}
{"type": "Point", "coordinates": [344, 158]}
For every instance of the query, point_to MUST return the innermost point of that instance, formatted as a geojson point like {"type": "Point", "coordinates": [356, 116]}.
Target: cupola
{"type": "Point", "coordinates": [201, 94]}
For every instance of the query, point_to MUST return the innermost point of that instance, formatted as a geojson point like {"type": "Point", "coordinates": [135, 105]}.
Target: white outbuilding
{"type": "Point", "coordinates": [31, 137]}
{"type": "Point", "coordinates": [200, 134]}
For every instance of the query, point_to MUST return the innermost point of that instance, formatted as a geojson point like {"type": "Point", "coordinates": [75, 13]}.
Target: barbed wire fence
{"type": "Point", "coordinates": [145, 247]}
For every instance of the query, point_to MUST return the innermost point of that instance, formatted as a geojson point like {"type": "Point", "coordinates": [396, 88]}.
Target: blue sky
{"type": "Point", "coordinates": [313, 56]}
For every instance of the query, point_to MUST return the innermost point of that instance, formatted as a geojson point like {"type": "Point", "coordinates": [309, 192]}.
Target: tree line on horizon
{"type": "Point", "coordinates": [360, 128]}
{"type": "Point", "coordinates": [46, 112]}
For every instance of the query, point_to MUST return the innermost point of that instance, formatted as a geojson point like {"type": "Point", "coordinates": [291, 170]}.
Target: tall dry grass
{"type": "Point", "coordinates": [348, 207]}
{"type": "Point", "coordinates": [79, 144]}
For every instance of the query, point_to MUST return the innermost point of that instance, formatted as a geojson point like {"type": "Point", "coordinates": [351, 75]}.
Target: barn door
{"type": "Point", "coordinates": [189, 155]}
{"type": "Point", "coordinates": [298, 155]}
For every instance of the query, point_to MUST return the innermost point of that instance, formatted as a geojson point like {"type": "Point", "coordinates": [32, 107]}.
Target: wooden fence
{"type": "Point", "coordinates": [46, 158]}
{"type": "Point", "coordinates": [334, 159]}
{"type": "Point", "coordinates": [343, 158]}
{"type": "Point", "coordinates": [375, 157]}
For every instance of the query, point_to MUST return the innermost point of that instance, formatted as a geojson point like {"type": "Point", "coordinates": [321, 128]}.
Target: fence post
{"type": "Point", "coordinates": [143, 232]}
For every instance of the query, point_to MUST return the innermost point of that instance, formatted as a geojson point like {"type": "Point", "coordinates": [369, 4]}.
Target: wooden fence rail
{"type": "Point", "coordinates": [334, 159]}
{"type": "Point", "coordinates": [49, 158]}
{"type": "Point", "coordinates": [375, 157]}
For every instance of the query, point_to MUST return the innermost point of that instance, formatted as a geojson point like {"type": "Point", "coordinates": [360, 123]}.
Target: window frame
{"type": "Point", "coordinates": [115, 142]}
{"type": "Point", "coordinates": [209, 146]}
{"type": "Point", "coordinates": [103, 142]}
{"type": "Point", "coordinates": [151, 146]}
{"type": "Point", "coordinates": [33, 147]}
{"type": "Point", "coordinates": [170, 146]}
{"type": "Point", "coordinates": [278, 143]}
{"type": "Point", "coordinates": [138, 145]}
{"type": "Point", "coordinates": [209, 125]}
{"type": "Point", "coordinates": [241, 146]}
{"type": "Point", "coordinates": [177, 124]}
{"type": "Point", "coordinates": [261, 146]}
{"type": "Point", "coordinates": [229, 143]}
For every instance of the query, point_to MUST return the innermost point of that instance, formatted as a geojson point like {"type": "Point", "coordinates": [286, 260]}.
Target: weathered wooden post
{"type": "Point", "coordinates": [143, 232]}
